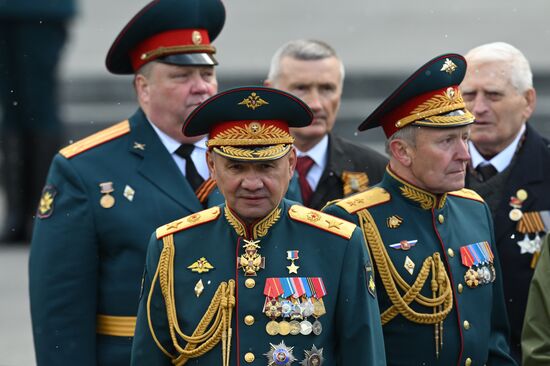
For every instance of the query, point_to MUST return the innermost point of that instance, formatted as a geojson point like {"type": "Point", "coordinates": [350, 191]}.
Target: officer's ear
{"type": "Point", "coordinates": [401, 151]}
{"type": "Point", "coordinates": [292, 159]}
{"type": "Point", "coordinates": [210, 164]}
{"type": "Point", "coordinates": [141, 85]}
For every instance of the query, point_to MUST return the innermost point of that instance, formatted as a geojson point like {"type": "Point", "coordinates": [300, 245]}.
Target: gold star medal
{"type": "Point", "coordinates": [292, 255]}
{"type": "Point", "coordinates": [107, 201]}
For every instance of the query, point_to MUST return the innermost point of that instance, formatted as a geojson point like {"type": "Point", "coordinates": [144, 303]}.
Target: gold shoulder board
{"type": "Point", "coordinates": [187, 222]}
{"type": "Point", "coordinates": [322, 220]}
{"type": "Point", "coordinates": [96, 139]}
{"type": "Point", "coordinates": [366, 199]}
{"type": "Point", "coordinates": [467, 193]}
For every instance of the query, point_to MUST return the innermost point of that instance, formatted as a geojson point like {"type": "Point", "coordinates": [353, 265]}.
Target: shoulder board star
{"type": "Point", "coordinates": [366, 199]}
{"type": "Point", "coordinates": [96, 139]}
{"type": "Point", "coordinates": [187, 222]}
{"type": "Point", "coordinates": [322, 221]}
{"type": "Point", "coordinates": [467, 193]}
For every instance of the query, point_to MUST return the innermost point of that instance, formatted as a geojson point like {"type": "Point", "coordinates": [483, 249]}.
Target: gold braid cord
{"type": "Point", "coordinates": [215, 325]}
{"type": "Point", "coordinates": [442, 300]}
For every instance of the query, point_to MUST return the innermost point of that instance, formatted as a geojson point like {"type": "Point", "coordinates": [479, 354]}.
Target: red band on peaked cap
{"type": "Point", "coordinates": [172, 38]}
{"type": "Point", "coordinates": [226, 125]}
{"type": "Point", "coordinates": [389, 120]}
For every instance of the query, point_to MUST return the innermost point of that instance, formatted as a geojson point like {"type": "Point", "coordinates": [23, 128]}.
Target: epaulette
{"type": "Point", "coordinates": [467, 193]}
{"type": "Point", "coordinates": [187, 222]}
{"type": "Point", "coordinates": [366, 199]}
{"type": "Point", "coordinates": [322, 220]}
{"type": "Point", "coordinates": [96, 139]}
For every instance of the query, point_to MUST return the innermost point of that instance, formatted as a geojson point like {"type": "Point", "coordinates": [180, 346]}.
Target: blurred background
{"type": "Point", "coordinates": [380, 42]}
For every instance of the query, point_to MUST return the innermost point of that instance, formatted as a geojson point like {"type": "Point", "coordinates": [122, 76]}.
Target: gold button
{"type": "Point", "coordinates": [466, 324]}
{"type": "Point", "coordinates": [250, 283]}
{"type": "Point", "coordinates": [468, 362]}
{"type": "Point", "coordinates": [460, 288]}
{"type": "Point", "coordinates": [249, 357]}
{"type": "Point", "coordinates": [249, 320]}
{"type": "Point", "coordinates": [451, 252]}
{"type": "Point", "coordinates": [441, 218]}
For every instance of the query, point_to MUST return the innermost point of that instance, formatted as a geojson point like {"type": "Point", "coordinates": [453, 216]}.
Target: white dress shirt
{"type": "Point", "coordinates": [318, 154]}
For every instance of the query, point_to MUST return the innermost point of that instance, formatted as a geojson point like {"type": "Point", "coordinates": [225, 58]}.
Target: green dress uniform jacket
{"type": "Point", "coordinates": [412, 233]}
{"type": "Point", "coordinates": [88, 247]}
{"type": "Point", "coordinates": [535, 341]}
{"type": "Point", "coordinates": [326, 247]}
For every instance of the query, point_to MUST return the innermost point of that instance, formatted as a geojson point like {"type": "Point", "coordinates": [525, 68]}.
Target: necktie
{"type": "Point", "coordinates": [486, 172]}
{"type": "Point", "coordinates": [191, 173]}
{"type": "Point", "coordinates": [303, 165]}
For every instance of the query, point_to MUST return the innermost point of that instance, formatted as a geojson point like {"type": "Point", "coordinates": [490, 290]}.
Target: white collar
{"type": "Point", "coordinates": [317, 153]}
{"type": "Point", "coordinates": [501, 160]}
{"type": "Point", "coordinates": [172, 144]}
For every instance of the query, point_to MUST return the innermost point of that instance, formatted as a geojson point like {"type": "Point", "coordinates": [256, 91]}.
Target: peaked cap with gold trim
{"type": "Point", "coordinates": [430, 97]}
{"type": "Point", "coordinates": [175, 32]}
{"type": "Point", "coordinates": [249, 123]}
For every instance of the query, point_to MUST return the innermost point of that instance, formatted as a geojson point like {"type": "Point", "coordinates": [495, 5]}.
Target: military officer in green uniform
{"type": "Point", "coordinates": [106, 193]}
{"type": "Point", "coordinates": [259, 280]}
{"type": "Point", "coordinates": [432, 243]}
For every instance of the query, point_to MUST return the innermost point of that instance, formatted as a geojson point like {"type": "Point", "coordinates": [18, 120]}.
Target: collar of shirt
{"type": "Point", "coordinates": [198, 155]}
{"type": "Point", "coordinates": [318, 154]}
{"type": "Point", "coordinates": [501, 160]}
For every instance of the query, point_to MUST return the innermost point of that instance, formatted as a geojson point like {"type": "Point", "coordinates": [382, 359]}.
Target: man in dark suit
{"type": "Point", "coordinates": [329, 167]}
{"type": "Point", "coordinates": [106, 193]}
{"type": "Point", "coordinates": [509, 161]}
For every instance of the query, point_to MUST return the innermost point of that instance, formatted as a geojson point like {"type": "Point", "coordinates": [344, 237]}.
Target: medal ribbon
{"type": "Point", "coordinates": [273, 288]}
{"type": "Point", "coordinates": [319, 287]}
{"type": "Point", "coordinates": [288, 289]}
{"type": "Point", "coordinates": [467, 258]}
{"type": "Point", "coordinates": [305, 284]}
{"type": "Point", "coordinates": [491, 256]}
{"type": "Point", "coordinates": [479, 253]}
{"type": "Point", "coordinates": [531, 222]}
{"type": "Point", "coordinates": [299, 289]}
{"type": "Point", "coordinates": [292, 254]}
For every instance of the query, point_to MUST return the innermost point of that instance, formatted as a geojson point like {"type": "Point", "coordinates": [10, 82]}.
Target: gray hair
{"type": "Point", "coordinates": [305, 50]}
{"type": "Point", "coordinates": [407, 134]}
{"type": "Point", "coordinates": [520, 74]}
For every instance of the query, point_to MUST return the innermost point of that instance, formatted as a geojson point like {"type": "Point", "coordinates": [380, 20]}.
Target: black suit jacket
{"type": "Point", "coordinates": [529, 172]}
{"type": "Point", "coordinates": [343, 155]}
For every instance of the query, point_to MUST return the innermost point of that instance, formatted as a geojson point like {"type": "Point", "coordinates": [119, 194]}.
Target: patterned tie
{"type": "Point", "coordinates": [486, 172]}
{"type": "Point", "coordinates": [191, 173]}
{"type": "Point", "coordinates": [303, 165]}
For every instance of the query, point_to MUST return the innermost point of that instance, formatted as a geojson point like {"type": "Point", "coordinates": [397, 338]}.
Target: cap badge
{"type": "Point", "coordinates": [196, 37]}
{"type": "Point", "coordinates": [253, 101]}
{"type": "Point", "coordinates": [449, 67]}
